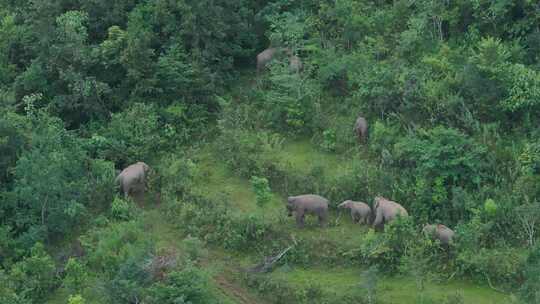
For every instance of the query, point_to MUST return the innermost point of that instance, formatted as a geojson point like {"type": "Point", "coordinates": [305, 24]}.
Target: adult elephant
{"type": "Point", "coordinates": [439, 232]}
{"type": "Point", "coordinates": [361, 129]}
{"type": "Point", "coordinates": [308, 204]}
{"type": "Point", "coordinates": [266, 56]}
{"type": "Point", "coordinates": [133, 179]}
{"type": "Point", "coordinates": [386, 211]}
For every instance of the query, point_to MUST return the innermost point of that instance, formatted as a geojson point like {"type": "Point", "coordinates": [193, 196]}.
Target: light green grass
{"type": "Point", "coordinates": [342, 232]}
{"type": "Point", "coordinates": [401, 290]}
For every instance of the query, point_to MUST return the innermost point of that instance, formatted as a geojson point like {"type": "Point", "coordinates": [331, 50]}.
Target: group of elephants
{"type": "Point", "coordinates": [384, 211]}
{"type": "Point", "coordinates": [133, 180]}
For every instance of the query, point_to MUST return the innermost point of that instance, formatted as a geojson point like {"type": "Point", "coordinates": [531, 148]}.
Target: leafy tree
{"type": "Point", "coordinates": [76, 275]}
{"type": "Point", "coordinates": [35, 275]}
{"type": "Point", "coordinates": [51, 185]}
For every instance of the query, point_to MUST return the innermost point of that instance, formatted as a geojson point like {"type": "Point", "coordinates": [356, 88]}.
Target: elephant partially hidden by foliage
{"type": "Point", "coordinates": [264, 58]}
{"type": "Point", "coordinates": [133, 179]}
{"type": "Point", "coordinates": [360, 211]}
{"type": "Point", "coordinates": [386, 211]}
{"type": "Point", "coordinates": [439, 232]}
{"type": "Point", "coordinates": [361, 129]}
{"type": "Point", "coordinates": [308, 204]}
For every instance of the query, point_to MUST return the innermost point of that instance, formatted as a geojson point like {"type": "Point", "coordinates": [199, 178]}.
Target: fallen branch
{"type": "Point", "coordinates": [269, 262]}
{"type": "Point", "coordinates": [491, 285]}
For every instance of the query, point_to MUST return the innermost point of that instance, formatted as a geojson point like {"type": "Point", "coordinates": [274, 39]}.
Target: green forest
{"type": "Point", "coordinates": [218, 151]}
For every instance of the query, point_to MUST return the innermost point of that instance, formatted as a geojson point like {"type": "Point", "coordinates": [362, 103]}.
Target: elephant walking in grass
{"type": "Point", "coordinates": [133, 179]}
{"type": "Point", "coordinates": [308, 204]}
{"type": "Point", "coordinates": [361, 129]}
{"type": "Point", "coordinates": [360, 211]}
{"type": "Point", "coordinates": [386, 211]}
{"type": "Point", "coordinates": [439, 232]}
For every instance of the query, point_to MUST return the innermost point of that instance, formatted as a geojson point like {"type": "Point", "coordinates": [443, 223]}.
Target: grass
{"type": "Point", "coordinates": [342, 233]}
{"type": "Point", "coordinates": [390, 289]}
{"type": "Point", "coordinates": [218, 181]}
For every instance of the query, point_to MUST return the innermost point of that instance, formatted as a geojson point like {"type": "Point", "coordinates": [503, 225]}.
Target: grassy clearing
{"type": "Point", "coordinates": [341, 233]}
{"type": "Point", "coordinates": [390, 290]}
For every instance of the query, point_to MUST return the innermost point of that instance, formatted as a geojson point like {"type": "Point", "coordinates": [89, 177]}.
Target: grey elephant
{"type": "Point", "coordinates": [361, 129]}
{"type": "Point", "coordinates": [133, 179]}
{"type": "Point", "coordinates": [264, 57]}
{"type": "Point", "coordinates": [308, 204]}
{"type": "Point", "coordinates": [360, 211]}
{"type": "Point", "coordinates": [386, 211]}
{"type": "Point", "coordinates": [439, 232]}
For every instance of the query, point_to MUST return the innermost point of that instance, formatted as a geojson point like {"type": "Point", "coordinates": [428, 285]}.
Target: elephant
{"type": "Point", "coordinates": [386, 211]}
{"type": "Point", "coordinates": [295, 64]}
{"type": "Point", "coordinates": [439, 232]}
{"type": "Point", "coordinates": [264, 57]}
{"type": "Point", "coordinates": [361, 129]}
{"type": "Point", "coordinates": [308, 204]}
{"type": "Point", "coordinates": [360, 211]}
{"type": "Point", "coordinates": [133, 179]}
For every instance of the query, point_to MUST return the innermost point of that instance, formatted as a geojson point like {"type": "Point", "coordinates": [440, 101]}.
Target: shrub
{"type": "Point", "coordinates": [501, 265]}
{"type": "Point", "coordinates": [132, 135]}
{"type": "Point", "coordinates": [189, 285]}
{"type": "Point", "coordinates": [249, 153]}
{"type": "Point", "coordinates": [530, 290]}
{"type": "Point", "coordinates": [387, 249]}
{"type": "Point", "coordinates": [122, 209]}
{"type": "Point", "coordinates": [194, 248]}
{"type": "Point", "coordinates": [76, 299]}
{"type": "Point", "coordinates": [34, 276]}
{"type": "Point", "coordinates": [76, 276]}
{"type": "Point", "coordinates": [262, 190]}
{"type": "Point", "coordinates": [109, 247]}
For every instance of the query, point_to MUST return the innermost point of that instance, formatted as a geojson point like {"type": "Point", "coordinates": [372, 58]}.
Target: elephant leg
{"type": "Point", "coordinates": [322, 219]}
{"type": "Point", "coordinates": [300, 219]}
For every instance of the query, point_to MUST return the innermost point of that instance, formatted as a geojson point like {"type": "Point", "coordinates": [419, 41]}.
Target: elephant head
{"type": "Point", "coordinates": [345, 204]}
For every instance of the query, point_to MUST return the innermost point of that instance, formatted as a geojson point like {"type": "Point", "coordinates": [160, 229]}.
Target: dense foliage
{"type": "Point", "coordinates": [450, 89]}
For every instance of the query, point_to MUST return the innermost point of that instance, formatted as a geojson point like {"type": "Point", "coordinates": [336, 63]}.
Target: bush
{"type": "Point", "coordinates": [501, 265]}
{"type": "Point", "coordinates": [249, 153]}
{"type": "Point", "coordinates": [109, 247]}
{"type": "Point", "coordinates": [132, 135]}
{"type": "Point", "coordinates": [122, 209]}
{"type": "Point", "coordinates": [189, 285]}
{"type": "Point", "coordinates": [529, 292]}
{"type": "Point", "coordinates": [76, 299]}
{"type": "Point", "coordinates": [387, 249]}
{"type": "Point", "coordinates": [262, 190]}
{"type": "Point", "coordinates": [216, 224]}
{"type": "Point", "coordinates": [438, 161]}
{"type": "Point", "coordinates": [76, 276]}
{"type": "Point", "coordinates": [34, 276]}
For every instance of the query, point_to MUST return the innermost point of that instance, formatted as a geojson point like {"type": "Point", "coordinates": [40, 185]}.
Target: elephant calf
{"type": "Point", "coordinates": [308, 204]}
{"type": "Point", "coordinates": [133, 179]}
{"type": "Point", "coordinates": [439, 232]}
{"type": "Point", "coordinates": [386, 211]}
{"type": "Point", "coordinates": [360, 212]}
